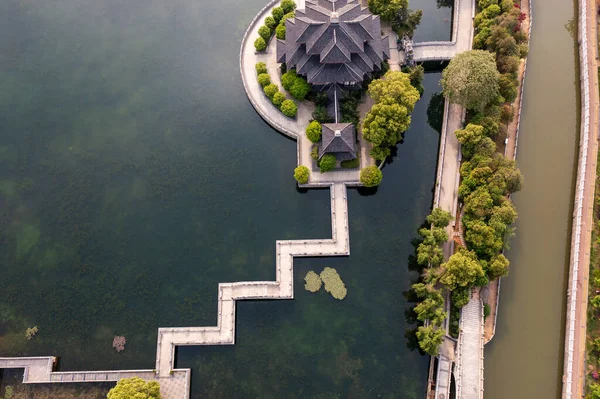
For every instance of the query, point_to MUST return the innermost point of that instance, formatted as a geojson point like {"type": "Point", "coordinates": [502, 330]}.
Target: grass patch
{"type": "Point", "coordinates": [353, 163]}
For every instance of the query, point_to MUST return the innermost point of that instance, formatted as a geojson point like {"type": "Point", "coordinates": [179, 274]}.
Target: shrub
{"type": "Point", "coordinates": [300, 88]}
{"type": "Point", "coordinates": [270, 22]}
{"type": "Point", "coordinates": [507, 113]}
{"type": "Point", "coordinates": [278, 99]}
{"type": "Point", "coordinates": [371, 176]}
{"type": "Point", "coordinates": [291, 14]}
{"type": "Point", "coordinates": [321, 99]}
{"type": "Point", "coordinates": [301, 174]}
{"type": "Point", "coordinates": [523, 50]}
{"type": "Point", "coordinates": [271, 90]}
{"type": "Point", "coordinates": [135, 387]}
{"type": "Point", "coordinates": [280, 32]}
{"type": "Point", "coordinates": [492, 11]}
{"type": "Point", "coordinates": [320, 114]}
{"type": "Point", "coordinates": [351, 164]}
{"type": "Point", "coordinates": [460, 297]}
{"type": "Point", "coordinates": [508, 64]}
{"type": "Point", "coordinates": [289, 108]}
{"type": "Point", "coordinates": [507, 5]}
{"type": "Point", "coordinates": [277, 13]}
{"type": "Point", "coordinates": [264, 79]}
{"type": "Point", "coordinates": [486, 3]}
{"type": "Point", "coordinates": [264, 32]}
{"type": "Point", "coordinates": [486, 310]}
{"type": "Point", "coordinates": [288, 79]}
{"type": "Point", "coordinates": [314, 131]}
{"type": "Point", "coordinates": [327, 163]}
{"type": "Point", "coordinates": [261, 68]}
{"type": "Point", "coordinates": [260, 44]}
{"type": "Point", "coordinates": [288, 6]}
{"type": "Point", "coordinates": [314, 152]}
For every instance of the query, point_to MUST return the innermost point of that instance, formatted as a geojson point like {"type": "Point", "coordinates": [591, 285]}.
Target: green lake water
{"type": "Point", "coordinates": [135, 176]}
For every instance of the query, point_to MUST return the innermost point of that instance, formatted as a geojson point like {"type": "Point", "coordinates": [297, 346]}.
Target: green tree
{"type": "Point", "coordinates": [406, 21]}
{"type": "Point", "coordinates": [135, 387]}
{"type": "Point", "coordinates": [479, 203]}
{"type": "Point", "coordinates": [498, 267]}
{"type": "Point", "coordinates": [271, 90]}
{"type": "Point", "coordinates": [314, 131]}
{"type": "Point", "coordinates": [280, 31]}
{"type": "Point", "coordinates": [288, 6]}
{"type": "Point", "coordinates": [327, 162]}
{"type": "Point", "coordinates": [270, 23]}
{"type": "Point", "coordinates": [264, 32]}
{"type": "Point", "coordinates": [380, 153]}
{"type": "Point", "coordinates": [289, 108]}
{"type": "Point", "coordinates": [300, 88]}
{"type": "Point", "coordinates": [596, 302]}
{"type": "Point", "coordinates": [264, 79]}
{"type": "Point", "coordinates": [260, 44]}
{"type": "Point", "coordinates": [439, 217]}
{"type": "Point", "coordinates": [371, 176]}
{"type": "Point", "coordinates": [461, 296]}
{"type": "Point", "coordinates": [483, 4]}
{"type": "Point", "coordinates": [430, 338]}
{"type": "Point", "coordinates": [483, 239]}
{"type": "Point", "coordinates": [471, 79]}
{"type": "Point", "coordinates": [594, 391]}
{"type": "Point", "coordinates": [394, 88]}
{"type": "Point", "coordinates": [261, 68]}
{"type": "Point", "coordinates": [277, 14]}
{"type": "Point", "coordinates": [288, 79]}
{"type": "Point", "coordinates": [278, 99]}
{"type": "Point", "coordinates": [461, 270]}
{"type": "Point", "coordinates": [301, 174]}
{"type": "Point", "coordinates": [387, 9]}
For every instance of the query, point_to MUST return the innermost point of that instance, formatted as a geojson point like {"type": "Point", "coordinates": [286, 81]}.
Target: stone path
{"type": "Point", "coordinates": [469, 367]}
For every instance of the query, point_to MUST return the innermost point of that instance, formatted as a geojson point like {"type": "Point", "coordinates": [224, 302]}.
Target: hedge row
{"type": "Point", "coordinates": [273, 23]}
{"type": "Point", "coordinates": [287, 107]}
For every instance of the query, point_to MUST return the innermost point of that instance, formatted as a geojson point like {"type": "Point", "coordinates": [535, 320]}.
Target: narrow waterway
{"type": "Point", "coordinates": [524, 360]}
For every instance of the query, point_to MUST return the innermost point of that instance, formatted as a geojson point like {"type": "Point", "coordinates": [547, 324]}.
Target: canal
{"type": "Point", "coordinates": [525, 358]}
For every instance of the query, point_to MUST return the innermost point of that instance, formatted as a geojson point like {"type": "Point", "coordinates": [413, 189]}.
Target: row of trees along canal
{"type": "Point", "coordinates": [485, 82]}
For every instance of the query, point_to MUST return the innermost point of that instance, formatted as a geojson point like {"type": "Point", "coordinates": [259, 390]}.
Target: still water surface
{"type": "Point", "coordinates": [135, 176]}
{"type": "Point", "coordinates": [524, 360]}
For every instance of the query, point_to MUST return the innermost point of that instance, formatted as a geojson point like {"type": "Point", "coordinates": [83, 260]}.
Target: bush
{"type": "Point", "coordinates": [135, 387]}
{"type": "Point", "coordinates": [314, 152]}
{"type": "Point", "coordinates": [289, 108]}
{"type": "Point", "coordinates": [277, 13]}
{"type": "Point", "coordinates": [321, 99]}
{"type": "Point", "coordinates": [264, 79]}
{"type": "Point", "coordinates": [261, 68]}
{"type": "Point", "coordinates": [288, 79]}
{"type": "Point", "coordinates": [314, 131]}
{"type": "Point", "coordinates": [486, 310]}
{"type": "Point", "coordinates": [265, 32]}
{"type": "Point", "coordinates": [270, 22]}
{"type": "Point", "coordinates": [327, 163]}
{"type": "Point", "coordinates": [301, 174]}
{"type": "Point", "coordinates": [260, 44]}
{"type": "Point", "coordinates": [300, 88]}
{"type": "Point", "coordinates": [320, 115]}
{"type": "Point", "coordinates": [280, 32]}
{"type": "Point", "coordinates": [523, 50]}
{"type": "Point", "coordinates": [507, 114]}
{"type": "Point", "coordinates": [288, 6]}
{"type": "Point", "coordinates": [486, 3]}
{"type": "Point", "coordinates": [351, 164]}
{"type": "Point", "coordinates": [371, 176]}
{"type": "Point", "coordinates": [491, 11]}
{"type": "Point", "coordinates": [460, 297]}
{"type": "Point", "coordinates": [271, 90]}
{"type": "Point", "coordinates": [278, 99]}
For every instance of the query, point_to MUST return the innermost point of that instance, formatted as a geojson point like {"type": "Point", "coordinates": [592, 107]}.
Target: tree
{"type": "Point", "coordinates": [264, 79]}
{"type": "Point", "coordinates": [261, 68]}
{"type": "Point", "coordinates": [260, 44]}
{"type": "Point", "coordinates": [327, 163]}
{"type": "Point", "coordinates": [461, 296]}
{"type": "Point", "coordinates": [289, 108]}
{"type": "Point", "coordinates": [498, 267]}
{"type": "Point", "coordinates": [439, 217]}
{"type": "Point", "coordinates": [596, 302]}
{"type": "Point", "coordinates": [288, 79]}
{"type": "Point", "coordinates": [594, 391]}
{"type": "Point", "coordinates": [430, 338]}
{"type": "Point", "coordinates": [370, 176]}
{"type": "Point", "coordinates": [270, 23]}
{"type": "Point", "coordinates": [278, 99]}
{"type": "Point", "coordinates": [384, 124]}
{"type": "Point", "coordinates": [394, 88]}
{"type": "Point", "coordinates": [387, 9]}
{"type": "Point", "coordinates": [428, 254]}
{"type": "Point", "coordinates": [288, 6]}
{"type": "Point", "coordinates": [271, 90]}
{"type": "Point", "coordinates": [461, 270]}
{"type": "Point", "coordinates": [486, 3]}
{"type": "Point", "coordinates": [483, 239]}
{"type": "Point", "coordinates": [277, 14]}
{"type": "Point", "coordinates": [300, 88]}
{"type": "Point", "coordinates": [135, 387]}
{"type": "Point", "coordinates": [301, 174]}
{"type": "Point", "coordinates": [431, 309]}
{"type": "Point", "coordinates": [471, 79]}
{"type": "Point", "coordinates": [406, 21]}
{"type": "Point", "coordinates": [314, 131]}
{"type": "Point", "coordinates": [265, 32]}
{"type": "Point", "coordinates": [280, 31]}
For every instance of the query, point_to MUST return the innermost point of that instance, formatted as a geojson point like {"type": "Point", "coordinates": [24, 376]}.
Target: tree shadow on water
{"type": "Point", "coordinates": [435, 112]}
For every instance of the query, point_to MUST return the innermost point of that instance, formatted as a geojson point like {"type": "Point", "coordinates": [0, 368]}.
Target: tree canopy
{"type": "Point", "coordinates": [301, 174]}
{"type": "Point", "coordinates": [327, 163]}
{"type": "Point", "coordinates": [135, 388]}
{"type": "Point", "coordinates": [430, 338]}
{"type": "Point", "coordinates": [471, 79]}
{"type": "Point", "coordinates": [371, 176]}
{"type": "Point", "coordinates": [314, 131]}
{"type": "Point", "coordinates": [387, 9]}
{"type": "Point", "coordinates": [439, 217]}
{"type": "Point", "coordinates": [461, 270]}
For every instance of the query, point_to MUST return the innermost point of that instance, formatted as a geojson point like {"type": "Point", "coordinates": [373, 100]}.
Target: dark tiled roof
{"type": "Point", "coordinates": [339, 139]}
{"type": "Point", "coordinates": [333, 41]}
